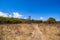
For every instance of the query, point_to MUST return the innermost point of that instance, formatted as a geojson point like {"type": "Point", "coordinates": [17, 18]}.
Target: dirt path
{"type": "Point", "coordinates": [37, 35]}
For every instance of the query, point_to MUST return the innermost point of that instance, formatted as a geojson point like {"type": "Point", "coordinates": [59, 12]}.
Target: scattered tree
{"type": "Point", "coordinates": [51, 20]}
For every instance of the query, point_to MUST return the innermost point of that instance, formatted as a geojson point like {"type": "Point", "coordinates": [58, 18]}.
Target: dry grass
{"type": "Point", "coordinates": [27, 31]}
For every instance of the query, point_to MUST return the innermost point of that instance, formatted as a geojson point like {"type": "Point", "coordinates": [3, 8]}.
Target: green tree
{"type": "Point", "coordinates": [51, 20]}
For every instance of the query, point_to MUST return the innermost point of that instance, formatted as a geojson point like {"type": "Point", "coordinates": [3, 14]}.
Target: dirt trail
{"type": "Point", "coordinates": [37, 34]}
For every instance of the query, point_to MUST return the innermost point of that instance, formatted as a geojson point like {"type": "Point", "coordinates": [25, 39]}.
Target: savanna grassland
{"type": "Point", "coordinates": [25, 31]}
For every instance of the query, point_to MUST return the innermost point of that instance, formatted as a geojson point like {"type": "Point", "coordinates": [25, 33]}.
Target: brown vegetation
{"type": "Point", "coordinates": [30, 31]}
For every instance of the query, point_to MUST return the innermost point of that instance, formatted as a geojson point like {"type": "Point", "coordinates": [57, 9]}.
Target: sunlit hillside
{"type": "Point", "coordinates": [30, 31]}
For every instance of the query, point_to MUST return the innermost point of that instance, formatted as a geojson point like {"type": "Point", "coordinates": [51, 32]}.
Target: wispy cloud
{"type": "Point", "coordinates": [15, 14]}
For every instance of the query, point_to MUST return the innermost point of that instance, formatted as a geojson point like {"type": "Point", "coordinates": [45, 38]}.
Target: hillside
{"type": "Point", "coordinates": [30, 31]}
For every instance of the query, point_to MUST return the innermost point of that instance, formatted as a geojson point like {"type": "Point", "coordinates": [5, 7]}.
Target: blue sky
{"type": "Point", "coordinates": [37, 9]}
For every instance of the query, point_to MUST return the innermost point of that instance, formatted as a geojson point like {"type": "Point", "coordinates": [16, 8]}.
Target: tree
{"type": "Point", "coordinates": [51, 20]}
{"type": "Point", "coordinates": [29, 20]}
{"type": "Point", "coordinates": [29, 17]}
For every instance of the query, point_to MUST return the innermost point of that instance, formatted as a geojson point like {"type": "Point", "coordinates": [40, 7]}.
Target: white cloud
{"type": "Point", "coordinates": [41, 18]}
{"type": "Point", "coordinates": [10, 15]}
{"type": "Point", "coordinates": [25, 18]}
{"type": "Point", "coordinates": [3, 14]}
{"type": "Point", "coordinates": [15, 14]}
